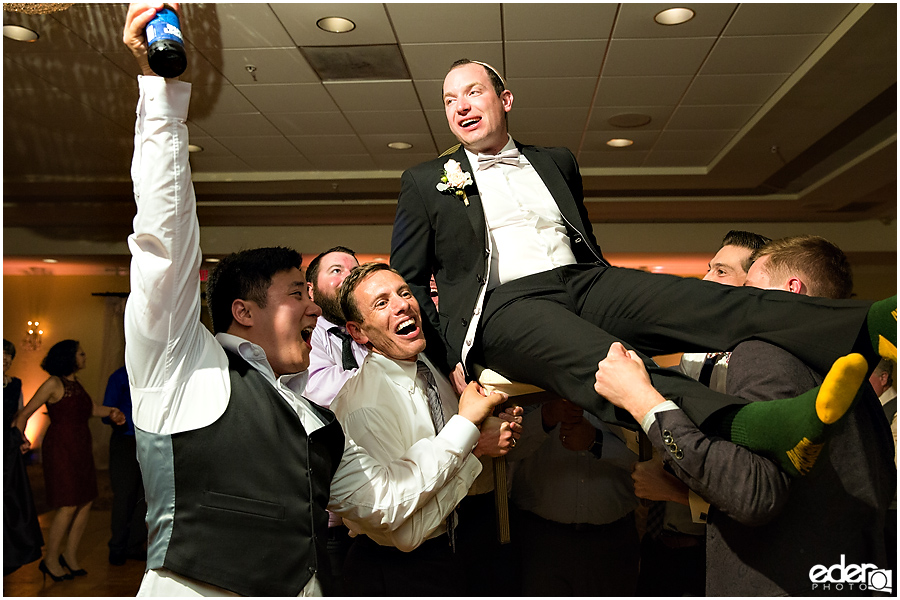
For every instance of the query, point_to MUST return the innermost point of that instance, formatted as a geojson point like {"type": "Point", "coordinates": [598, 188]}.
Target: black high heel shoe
{"type": "Point", "coordinates": [46, 571]}
{"type": "Point", "coordinates": [65, 565]}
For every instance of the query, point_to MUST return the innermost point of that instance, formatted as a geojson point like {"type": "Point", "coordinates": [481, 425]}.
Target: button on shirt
{"type": "Point", "coordinates": [528, 234]}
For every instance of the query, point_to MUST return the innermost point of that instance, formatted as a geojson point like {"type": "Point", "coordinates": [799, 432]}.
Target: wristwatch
{"type": "Point", "coordinates": [597, 446]}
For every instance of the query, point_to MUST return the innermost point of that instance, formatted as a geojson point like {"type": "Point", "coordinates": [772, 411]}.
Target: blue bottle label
{"type": "Point", "coordinates": [164, 26]}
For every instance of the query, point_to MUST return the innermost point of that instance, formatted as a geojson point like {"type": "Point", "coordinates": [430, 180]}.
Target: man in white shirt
{"type": "Point", "coordinates": [238, 466]}
{"type": "Point", "coordinates": [399, 399]}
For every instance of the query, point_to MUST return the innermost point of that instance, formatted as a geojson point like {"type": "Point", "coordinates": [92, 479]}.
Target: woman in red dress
{"type": "Point", "coordinates": [67, 454]}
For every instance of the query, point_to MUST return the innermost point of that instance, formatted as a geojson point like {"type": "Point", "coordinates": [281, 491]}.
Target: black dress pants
{"type": "Point", "coordinates": [129, 509]}
{"type": "Point", "coordinates": [552, 328]}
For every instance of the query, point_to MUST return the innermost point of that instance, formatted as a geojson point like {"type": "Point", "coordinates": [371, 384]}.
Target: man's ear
{"type": "Point", "coordinates": [356, 332]}
{"type": "Point", "coordinates": [506, 98]}
{"type": "Point", "coordinates": [242, 312]}
{"type": "Point", "coordinates": [796, 286]}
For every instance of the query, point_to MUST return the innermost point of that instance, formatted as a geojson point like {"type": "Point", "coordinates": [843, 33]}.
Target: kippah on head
{"type": "Point", "coordinates": [492, 69]}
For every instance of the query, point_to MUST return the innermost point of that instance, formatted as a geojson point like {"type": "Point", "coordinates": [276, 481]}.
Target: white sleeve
{"type": "Point", "coordinates": [401, 502]}
{"type": "Point", "coordinates": [173, 361]}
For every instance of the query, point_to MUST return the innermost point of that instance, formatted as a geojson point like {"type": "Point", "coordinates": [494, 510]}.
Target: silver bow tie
{"type": "Point", "coordinates": [507, 157]}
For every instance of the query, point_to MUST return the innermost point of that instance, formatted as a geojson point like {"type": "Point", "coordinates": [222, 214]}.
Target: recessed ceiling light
{"type": "Point", "coordinates": [212, 260]}
{"type": "Point", "coordinates": [19, 33]}
{"type": "Point", "coordinates": [674, 16]}
{"type": "Point", "coordinates": [50, 260]}
{"type": "Point", "coordinates": [400, 145]}
{"type": "Point", "coordinates": [335, 24]}
{"type": "Point", "coordinates": [619, 142]}
{"type": "Point", "coordinates": [195, 148]}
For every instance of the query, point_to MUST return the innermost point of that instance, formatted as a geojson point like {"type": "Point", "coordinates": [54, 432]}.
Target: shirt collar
{"type": "Point", "coordinates": [256, 357]}
{"type": "Point", "coordinates": [401, 372]}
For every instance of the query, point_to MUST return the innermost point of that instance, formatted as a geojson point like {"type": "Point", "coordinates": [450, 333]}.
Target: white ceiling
{"type": "Point", "coordinates": [759, 112]}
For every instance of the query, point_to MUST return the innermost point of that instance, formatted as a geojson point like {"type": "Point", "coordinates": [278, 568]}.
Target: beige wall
{"type": "Point", "coordinates": [66, 310]}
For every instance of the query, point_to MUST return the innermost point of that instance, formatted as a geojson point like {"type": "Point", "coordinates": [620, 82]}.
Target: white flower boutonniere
{"type": "Point", "coordinates": [453, 181]}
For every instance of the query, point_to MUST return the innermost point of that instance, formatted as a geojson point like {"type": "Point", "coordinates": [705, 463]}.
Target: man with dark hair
{"type": "Point", "coordinates": [397, 400]}
{"type": "Point", "coordinates": [526, 292]}
{"type": "Point", "coordinates": [765, 530]}
{"type": "Point", "coordinates": [238, 466]}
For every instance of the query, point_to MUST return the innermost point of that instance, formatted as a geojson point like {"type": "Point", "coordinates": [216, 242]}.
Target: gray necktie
{"type": "Point", "coordinates": [434, 399]}
{"type": "Point", "coordinates": [437, 419]}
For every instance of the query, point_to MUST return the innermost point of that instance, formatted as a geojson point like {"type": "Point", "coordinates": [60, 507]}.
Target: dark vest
{"type": "Point", "coordinates": [251, 491]}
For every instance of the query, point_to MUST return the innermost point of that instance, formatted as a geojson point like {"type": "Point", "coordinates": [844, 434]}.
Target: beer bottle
{"type": "Point", "coordinates": [166, 47]}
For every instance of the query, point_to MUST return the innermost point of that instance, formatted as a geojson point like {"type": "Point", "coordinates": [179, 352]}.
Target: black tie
{"type": "Point", "coordinates": [347, 358]}
{"type": "Point", "coordinates": [709, 364]}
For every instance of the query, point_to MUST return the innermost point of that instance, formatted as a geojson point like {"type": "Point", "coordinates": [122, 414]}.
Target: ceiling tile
{"type": "Point", "coordinates": [433, 22]}
{"type": "Point", "coordinates": [217, 164]}
{"type": "Point", "coordinates": [400, 162]}
{"type": "Point", "coordinates": [273, 65]}
{"type": "Point", "coordinates": [288, 97]}
{"type": "Point", "coordinates": [373, 95]}
{"type": "Point", "coordinates": [712, 117]}
{"type": "Point", "coordinates": [79, 69]}
{"type": "Point", "coordinates": [251, 124]}
{"type": "Point", "coordinates": [54, 35]}
{"type": "Point", "coordinates": [752, 88]}
{"type": "Point", "coordinates": [372, 25]}
{"type": "Point", "coordinates": [787, 18]}
{"type": "Point", "coordinates": [636, 20]}
{"type": "Point", "coordinates": [269, 145]}
{"type": "Point", "coordinates": [99, 24]}
{"type": "Point", "coordinates": [693, 140]}
{"type": "Point", "coordinates": [680, 158]}
{"type": "Point", "coordinates": [224, 99]}
{"type": "Point", "coordinates": [211, 146]}
{"type": "Point", "coordinates": [578, 58]}
{"type": "Point", "coordinates": [542, 119]}
{"type": "Point", "coordinates": [656, 57]}
{"type": "Point", "coordinates": [311, 123]}
{"type": "Point", "coordinates": [388, 122]}
{"type": "Point", "coordinates": [312, 145]}
{"type": "Point", "coordinates": [761, 54]}
{"type": "Point", "coordinates": [432, 61]}
{"type": "Point", "coordinates": [552, 91]}
{"type": "Point", "coordinates": [526, 21]}
{"type": "Point", "coordinates": [232, 25]}
{"type": "Point", "coordinates": [641, 91]}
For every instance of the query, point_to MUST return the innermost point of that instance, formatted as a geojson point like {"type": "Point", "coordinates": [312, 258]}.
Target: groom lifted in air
{"type": "Point", "coordinates": [525, 289]}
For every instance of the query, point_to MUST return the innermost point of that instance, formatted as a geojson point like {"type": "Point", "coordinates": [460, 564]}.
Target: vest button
{"type": "Point", "coordinates": [578, 240]}
{"type": "Point", "coordinates": [463, 322]}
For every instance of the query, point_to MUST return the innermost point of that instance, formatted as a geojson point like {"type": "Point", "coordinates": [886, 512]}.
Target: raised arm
{"type": "Point", "coordinates": [165, 342]}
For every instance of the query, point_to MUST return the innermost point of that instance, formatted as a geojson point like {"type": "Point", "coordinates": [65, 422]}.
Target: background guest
{"type": "Point", "coordinates": [67, 455]}
{"type": "Point", "coordinates": [22, 539]}
{"type": "Point", "coordinates": [128, 537]}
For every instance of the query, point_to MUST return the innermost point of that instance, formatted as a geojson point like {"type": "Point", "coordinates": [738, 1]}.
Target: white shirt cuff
{"type": "Point", "coordinates": [650, 418]}
{"type": "Point", "coordinates": [699, 507]}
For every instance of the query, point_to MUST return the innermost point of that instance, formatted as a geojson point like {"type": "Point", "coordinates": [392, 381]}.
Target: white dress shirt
{"type": "Point", "coordinates": [178, 372]}
{"type": "Point", "coordinates": [326, 366]}
{"type": "Point", "coordinates": [566, 486]}
{"type": "Point", "coordinates": [527, 231]}
{"type": "Point", "coordinates": [384, 408]}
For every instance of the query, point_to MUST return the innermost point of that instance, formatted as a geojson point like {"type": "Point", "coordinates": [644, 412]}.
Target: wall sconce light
{"type": "Point", "coordinates": [34, 335]}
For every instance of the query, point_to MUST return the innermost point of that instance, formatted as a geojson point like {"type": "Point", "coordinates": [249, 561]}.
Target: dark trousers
{"type": "Point", "coordinates": [673, 566]}
{"type": "Point", "coordinates": [339, 542]}
{"type": "Point", "coordinates": [487, 565]}
{"type": "Point", "coordinates": [551, 329]}
{"type": "Point", "coordinates": [129, 509]}
{"type": "Point", "coordinates": [432, 569]}
{"type": "Point", "coordinates": [567, 559]}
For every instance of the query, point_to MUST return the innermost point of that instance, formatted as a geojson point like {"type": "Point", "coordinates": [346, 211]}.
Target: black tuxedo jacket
{"type": "Point", "coordinates": [440, 233]}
